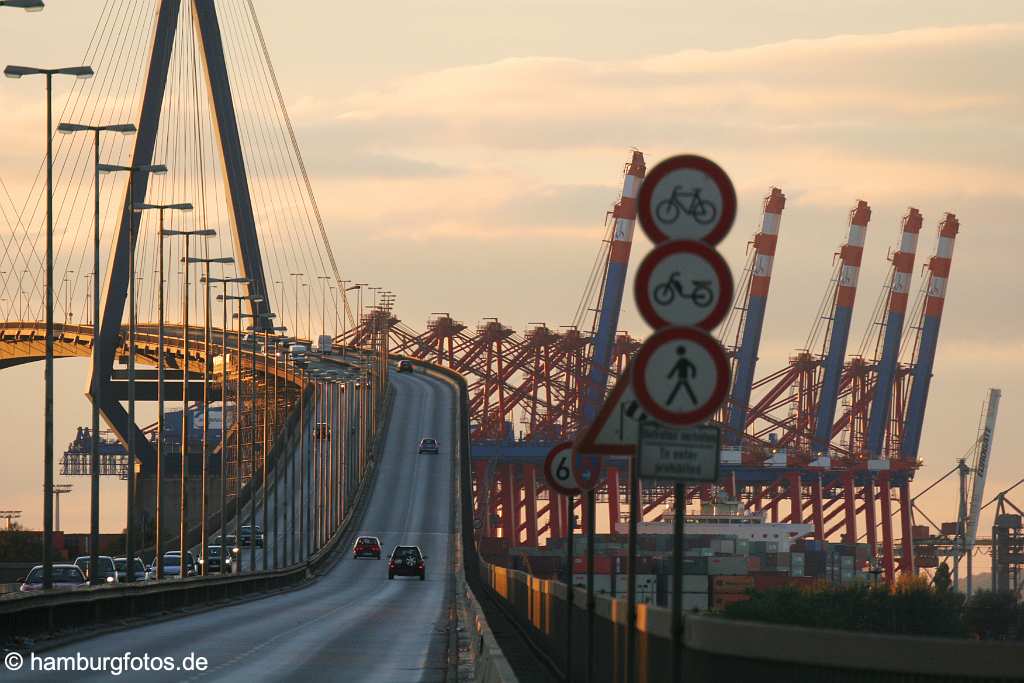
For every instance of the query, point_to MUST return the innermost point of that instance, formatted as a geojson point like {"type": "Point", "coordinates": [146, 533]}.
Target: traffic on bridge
{"type": "Point", "coordinates": [283, 463]}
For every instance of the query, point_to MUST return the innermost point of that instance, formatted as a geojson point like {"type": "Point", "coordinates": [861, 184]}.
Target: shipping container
{"type": "Point", "coordinates": [731, 584]}
{"type": "Point", "coordinates": [732, 566]}
{"type": "Point", "coordinates": [722, 600]}
{"type": "Point", "coordinates": [693, 583]}
{"type": "Point", "coordinates": [694, 602]}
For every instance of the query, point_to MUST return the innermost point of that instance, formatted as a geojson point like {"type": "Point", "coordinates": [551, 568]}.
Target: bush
{"type": "Point", "coordinates": [910, 607]}
{"type": "Point", "coordinates": [994, 616]}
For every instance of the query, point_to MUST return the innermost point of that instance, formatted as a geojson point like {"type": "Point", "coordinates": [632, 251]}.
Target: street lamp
{"type": "Point", "coordinates": [13, 71]}
{"type": "Point", "coordinates": [266, 329]}
{"type": "Point", "coordinates": [296, 283]}
{"type": "Point", "coordinates": [129, 541]}
{"type": "Point", "coordinates": [224, 282]}
{"type": "Point", "coordinates": [97, 386]}
{"type": "Point", "coordinates": [27, 5]}
{"type": "Point", "coordinates": [323, 301]}
{"type": "Point", "coordinates": [238, 411]}
{"type": "Point", "coordinates": [206, 400]}
{"type": "Point", "coordinates": [139, 208]}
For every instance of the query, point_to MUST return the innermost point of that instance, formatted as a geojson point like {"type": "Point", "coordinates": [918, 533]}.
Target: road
{"type": "Point", "coordinates": [353, 624]}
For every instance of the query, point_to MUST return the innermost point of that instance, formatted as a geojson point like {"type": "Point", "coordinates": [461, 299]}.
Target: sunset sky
{"type": "Point", "coordinates": [464, 155]}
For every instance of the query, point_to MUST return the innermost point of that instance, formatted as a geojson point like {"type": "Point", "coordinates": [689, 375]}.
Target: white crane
{"type": "Point", "coordinates": [979, 471]}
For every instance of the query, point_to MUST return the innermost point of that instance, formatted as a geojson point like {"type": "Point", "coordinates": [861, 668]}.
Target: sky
{"type": "Point", "coordinates": [464, 155]}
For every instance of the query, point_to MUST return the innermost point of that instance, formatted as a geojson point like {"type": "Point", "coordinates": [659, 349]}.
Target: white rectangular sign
{"type": "Point", "coordinates": [679, 453]}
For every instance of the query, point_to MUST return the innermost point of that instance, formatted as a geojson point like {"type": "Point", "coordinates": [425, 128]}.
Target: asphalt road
{"type": "Point", "coordinates": [351, 625]}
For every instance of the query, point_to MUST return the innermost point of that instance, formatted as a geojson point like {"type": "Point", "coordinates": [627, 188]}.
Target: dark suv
{"type": "Point", "coordinates": [407, 560]}
{"type": "Point", "coordinates": [404, 366]}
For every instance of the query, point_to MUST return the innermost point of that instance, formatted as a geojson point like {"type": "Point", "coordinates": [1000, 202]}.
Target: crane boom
{"type": "Point", "coordinates": [981, 465]}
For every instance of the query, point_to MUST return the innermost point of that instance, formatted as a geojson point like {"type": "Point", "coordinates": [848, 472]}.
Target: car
{"type": "Point", "coordinates": [405, 366]}
{"type": "Point", "coordinates": [407, 560]}
{"type": "Point", "coordinates": [212, 559]}
{"type": "Point", "coordinates": [247, 536]}
{"type": "Point", "coordinates": [172, 564]}
{"type": "Point", "coordinates": [107, 570]}
{"type": "Point", "coordinates": [121, 565]}
{"type": "Point", "coordinates": [428, 445]}
{"type": "Point", "coordinates": [366, 546]}
{"type": "Point", "coordinates": [64, 576]}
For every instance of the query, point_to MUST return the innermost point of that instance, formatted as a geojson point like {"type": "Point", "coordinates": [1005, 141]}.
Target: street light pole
{"type": "Point", "coordinates": [161, 233]}
{"type": "Point", "coordinates": [18, 72]}
{"type": "Point", "coordinates": [97, 386]}
{"type": "Point", "coordinates": [207, 333]}
{"type": "Point", "coordinates": [129, 541]}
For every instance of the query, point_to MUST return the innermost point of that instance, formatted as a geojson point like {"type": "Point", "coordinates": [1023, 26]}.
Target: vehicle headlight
{"type": "Point", "coordinates": [110, 579]}
{"type": "Point", "coordinates": [202, 561]}
{"type": "Point", "coordinates": [235, 550]}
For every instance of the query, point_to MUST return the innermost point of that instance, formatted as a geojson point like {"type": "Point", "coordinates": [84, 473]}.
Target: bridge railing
{"type": "Point", "coordinates": [713, 648]}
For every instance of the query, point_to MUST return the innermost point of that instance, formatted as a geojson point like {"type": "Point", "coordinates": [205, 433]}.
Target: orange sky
{"type": "Point", "coordinates": [465, 155]}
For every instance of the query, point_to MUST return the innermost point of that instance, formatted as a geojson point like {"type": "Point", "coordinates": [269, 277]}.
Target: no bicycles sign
{"type": "Point", "coordinates": [687, 197]}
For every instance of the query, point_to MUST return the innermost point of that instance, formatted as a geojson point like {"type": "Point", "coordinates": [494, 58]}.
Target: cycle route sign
{"type": "Point", "coordinates": [558, 470]}
{"type": "Point", "coordinates": [681, 375]}
{"type": "Point", "coordinates": [687, 197]}
{"type": "Point", "coordinates": [683, 283]}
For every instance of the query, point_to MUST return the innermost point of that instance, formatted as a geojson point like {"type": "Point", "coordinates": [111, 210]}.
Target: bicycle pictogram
{"type": "Point", "coordinates": [701, 294]}
{"type": "Point", "coordinates": [690, 203]}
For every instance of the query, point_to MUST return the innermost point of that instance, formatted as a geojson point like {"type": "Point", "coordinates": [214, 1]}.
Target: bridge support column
{"type": "Point", "coordinates": [555, 505]}
{"type": "Point", "coordinates": [869, 517]}
{"type": "Point", "coordinates": [508, 503]}
{"type": "Point", "coordinates": [532, 523]}
{"type": "Point", "coordinates": [817, 509]}
{"type": "Point", "coordinates": [796, 511]}
{"type": "Point", "coordinates": [906, 524]}
{"type": "Point", "coordinates": [850, 509]}
{"type": "Point", "coordinates": [614, 511]}
{"type": "Point", "coordinates": [886, 505]}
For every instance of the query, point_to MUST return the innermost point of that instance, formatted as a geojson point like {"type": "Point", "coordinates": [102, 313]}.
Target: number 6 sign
{"type": "Point", "coordinates": [558, 470]}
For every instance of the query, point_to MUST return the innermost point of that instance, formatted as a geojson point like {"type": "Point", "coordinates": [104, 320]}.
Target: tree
{"type": "Point", "coordinates": [994, 616]}
{"type": "Point", "coordinates": [942, 579]}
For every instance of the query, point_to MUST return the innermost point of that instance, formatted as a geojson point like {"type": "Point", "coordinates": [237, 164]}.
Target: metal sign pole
{"type": "Point", "coordinates": [634, 515]}
{"type": "Point", "coordinates": [590, 513]}
{"type": "Point", "coordinates": [570, 597]}
{"type": "Point", "coordinates": [678, 547]}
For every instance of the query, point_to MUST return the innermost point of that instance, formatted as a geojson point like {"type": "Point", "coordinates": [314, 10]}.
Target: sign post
{"type": "Point", "coordinates": [559, 471]}
{"type": "Point", "coordinates": [680, 376]}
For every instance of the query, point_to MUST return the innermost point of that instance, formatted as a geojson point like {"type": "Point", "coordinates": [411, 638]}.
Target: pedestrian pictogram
{"type": "Point", "coordinates": [616, 429]}
{"type": "Point", "coordinates": [687, 197]}
{"type": "Point", "coordinates": [558, 470]}
{"type": "Point", "coordinates": [683, 283]}
{"type": "Point", "coordinates": [681, 375]}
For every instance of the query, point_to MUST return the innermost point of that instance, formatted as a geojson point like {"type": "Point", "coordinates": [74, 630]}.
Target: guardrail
{"type": "Point", "coordinates": [57, 613]}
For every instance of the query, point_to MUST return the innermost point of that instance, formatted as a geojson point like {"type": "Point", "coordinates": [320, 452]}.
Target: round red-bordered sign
{"type": "Point", "coordinates": [558, 470]}
{"type": "Point", "coordinates": [687, 197]}
{"type": "Point", "coordinates": [699, 269]}
{"type": "Point", "coordinates": [697, 375]}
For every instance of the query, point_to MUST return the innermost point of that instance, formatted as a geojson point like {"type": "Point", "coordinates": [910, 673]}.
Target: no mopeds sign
{"type": "Point", "coordinates": [683, 283]}
{"type": "Point", "coordinates": [687, 197]}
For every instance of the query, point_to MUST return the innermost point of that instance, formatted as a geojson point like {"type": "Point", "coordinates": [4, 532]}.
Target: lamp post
{"type": "Point", "coordinates": [161, 233]}
{"type": "Point", "coordinates": [97, 386]}
{"type": "Point", "coordinates": [309, 313]}
{"type": "Point", "coordinates": [266, 401]}
{"type": "Point", "coordinates": [17, 72]}
{"type": "Point", "coordinates": [252, 446]}
{"type": "Point", "coordinates": [297, 276]}
{"type": "Point", "coordinates": [129, 541]}
{"type": "Point", "coordinates": [183, 497]}
{"type": "Point", "coordinates": [189, 260]}
{"type": "Point", "coordinates": [224, 282]}
{"type": "Point", "coordinates": [323, 301]}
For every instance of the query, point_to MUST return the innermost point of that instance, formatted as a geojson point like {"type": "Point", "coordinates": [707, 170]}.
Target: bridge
{"type": "Point", "coordinates": [189, 262]}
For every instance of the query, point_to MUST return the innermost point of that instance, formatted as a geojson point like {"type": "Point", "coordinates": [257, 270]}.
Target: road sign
{"type": "Point", "coordinates": [679, 453]}
{"type": "Point", "coordinates": [616, 429]}
{"type": "Point", "coordinates": [587, 470]}
{"type": "Point", "coordinates": [687, 197]}
{"type": "Point", "coordinates": [681, 375]}
{"type": "Point", "coordinates": [683, 283]}
{"type": "Point", "coordinates": [558, 468]}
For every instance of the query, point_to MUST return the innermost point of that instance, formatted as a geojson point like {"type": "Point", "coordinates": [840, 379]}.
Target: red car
{"type": "Point", "coordinates": [366, 546]}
